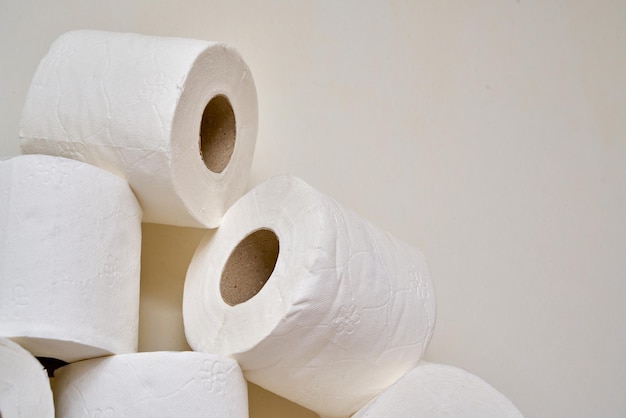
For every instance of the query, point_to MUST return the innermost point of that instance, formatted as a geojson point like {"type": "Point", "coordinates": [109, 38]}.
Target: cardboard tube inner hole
{"type": "Point", "coordinates": [50, 364]}
{"type": "Point", "coordinates": [217, 133]}
{"type": "Point", "coordinates": [249, 266]}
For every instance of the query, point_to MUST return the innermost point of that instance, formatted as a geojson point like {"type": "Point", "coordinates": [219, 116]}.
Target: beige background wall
{"type": "Point", "coordinates": [491, 134]}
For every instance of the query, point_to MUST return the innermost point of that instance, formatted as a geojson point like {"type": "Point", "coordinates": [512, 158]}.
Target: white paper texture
{"type": "Point", "coordinates": [70, 245]}
{"type": "Point", "coordinates": [133, 104]}
{"type": "Point", "coordinates": [440, 391]}
{"type": "Point", "coordinates": [152, 385]}
{"type": "Point", "coordinates": [24, 386]}
{"type": "Point", "coordinates": [347, 310]}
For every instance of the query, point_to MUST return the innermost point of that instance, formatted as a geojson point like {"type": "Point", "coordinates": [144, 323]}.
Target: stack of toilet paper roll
{"type": "Point", "coordinates": [292, 292]}
{"type": "Point", "coordinates": [118, 129]}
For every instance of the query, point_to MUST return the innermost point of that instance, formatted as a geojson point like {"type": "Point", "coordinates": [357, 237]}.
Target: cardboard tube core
{"type": "Point", "coordinates": [217, 133]}
{"type": "Point", "coordinates": [249, 266]}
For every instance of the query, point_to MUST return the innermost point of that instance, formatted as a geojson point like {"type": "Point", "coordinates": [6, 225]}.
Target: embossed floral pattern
{"type": "Point", "coordinates": [57, 173]}
{"type": "Point", "coordinates": [61, 55]}
{"type": "Point", "coordinates": [346, 320]}
{"type": "Point", "coordinates": [17, 300]}
{"type": "Point", "coordinates": [110, 271]}
{"type": "Point", "coordinates": [155, 86]}
{"type": "Point", "coordinates": [417, 283]}
{"type": "Point", "coordinates": [422, 288]}
{"type": "Point", "coordinates": [213, 376]}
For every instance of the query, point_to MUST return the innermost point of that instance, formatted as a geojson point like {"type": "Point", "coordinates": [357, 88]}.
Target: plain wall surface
{"type": "Point", "coordinates": [491, 135]}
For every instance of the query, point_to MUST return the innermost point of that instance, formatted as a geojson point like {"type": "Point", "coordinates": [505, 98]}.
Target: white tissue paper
{"type": "Point", "coordinates": [70, 245]}
{"type": "Point", "coordinates": [24, 385]}
{"type": "Point", "coordinates": [135, 105]}
{"type": "Point", "coordinates": [439, 391]}
{"type": "Point", "coordinates": [152, 385]}
{"type": "Point", "coordinates": [346, 311]}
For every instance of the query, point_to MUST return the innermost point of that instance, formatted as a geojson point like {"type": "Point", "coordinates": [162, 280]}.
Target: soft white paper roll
{"type": "Point", "coordinates": [439, 391]}
{"type": "Point", "coordinates": [24, 385]}
{"type": "Point", "coordinates": [346, 311]}
{"type": "Point", "coordinates": [135, 105]}
{"type": "Point", "coordinates": [152, 385]}
{"type": "Point", "coordinates": [70, 245]}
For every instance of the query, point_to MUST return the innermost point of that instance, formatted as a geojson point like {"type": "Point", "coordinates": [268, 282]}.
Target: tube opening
{"type": "Point", "coordinates": [249, 266]}
{"type": "Point", "coordinates": [217, 133]}
{"type": "Point", "coordinates": [50, 364]}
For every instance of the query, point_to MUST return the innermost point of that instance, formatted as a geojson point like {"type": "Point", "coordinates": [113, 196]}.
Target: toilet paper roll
{"type": "Point", "coordinates": [439, 391]}
{"type": "Point", "coordinates": [152, 385]}
{"type": "Point", "coordinates": [177, 118]}
{"type": "Point", "coordinates": [315, 303]}
{"type": "Point", "coordinates": [70, 244]}
{"type": "Point", "coordinates": [24, 385]}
